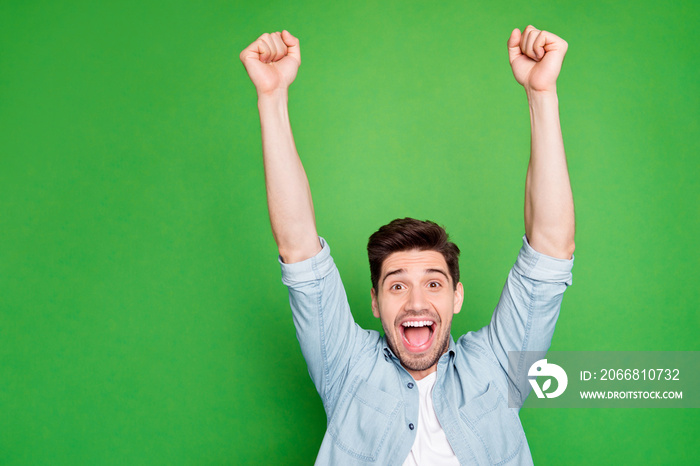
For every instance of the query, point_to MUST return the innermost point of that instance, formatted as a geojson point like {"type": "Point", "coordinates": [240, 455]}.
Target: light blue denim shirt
{"type": "Point", "coordinates": [371, 401]}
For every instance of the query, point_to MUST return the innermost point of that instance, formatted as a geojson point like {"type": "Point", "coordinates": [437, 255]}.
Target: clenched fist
{"type": "Point", "coordinates": [536, 57]}
{"type": "Point", "coordinates": [272, 61]}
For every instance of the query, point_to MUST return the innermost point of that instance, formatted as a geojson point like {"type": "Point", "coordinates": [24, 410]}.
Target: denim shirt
{"type": "Point", "coordinates": [371, 401]}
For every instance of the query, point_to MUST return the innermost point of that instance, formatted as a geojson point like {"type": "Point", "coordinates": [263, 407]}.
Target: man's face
{"type": "Point", "coordinates": [415, 300]}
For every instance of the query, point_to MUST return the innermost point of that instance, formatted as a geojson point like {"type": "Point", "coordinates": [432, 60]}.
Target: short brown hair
{"type": "Point", "coordinates": [405, 234]}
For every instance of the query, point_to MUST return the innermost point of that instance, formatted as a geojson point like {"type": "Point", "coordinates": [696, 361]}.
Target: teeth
{"type": "Point", "coordinates": [420, 323]}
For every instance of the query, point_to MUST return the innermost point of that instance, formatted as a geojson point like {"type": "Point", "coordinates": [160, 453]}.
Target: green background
{"type": "Point", "coordinates": [142, 317]}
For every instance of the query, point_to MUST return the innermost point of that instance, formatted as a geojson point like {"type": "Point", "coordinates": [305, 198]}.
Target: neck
{"type": "Point", "coordinates": [418, 375]}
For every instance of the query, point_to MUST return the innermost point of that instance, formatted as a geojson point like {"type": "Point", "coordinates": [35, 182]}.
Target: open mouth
{"type": "Point", "coordinates": [417, 335]}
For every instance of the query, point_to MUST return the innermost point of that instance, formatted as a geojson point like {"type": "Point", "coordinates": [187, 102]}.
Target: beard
{"type": "Point", "coordinates": [422, 361]}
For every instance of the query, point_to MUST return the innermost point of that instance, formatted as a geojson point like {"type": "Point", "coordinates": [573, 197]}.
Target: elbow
{"type": "Point", "coordinates": [299, 251]}
{"type": "Point", "coordinates": [564, 250]}
{"type": "Point", "coordinates": [569, 250]}
{"type": "Point", "coordinates": [560, 247]}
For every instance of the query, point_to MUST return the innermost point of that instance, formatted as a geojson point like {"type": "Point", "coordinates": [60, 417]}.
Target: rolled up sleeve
{"type": "Point", "coordinates": [526, 314]}
{"type": "Point", "coordinates": [313, 268]}
{"type": "Point", "coordinates": [540, 267]}
{"type": "Point", "coordinates": [325, 328]}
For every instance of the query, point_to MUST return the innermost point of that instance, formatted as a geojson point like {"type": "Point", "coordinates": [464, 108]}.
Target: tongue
{"type": "Point", "coordinates": [417, 336]}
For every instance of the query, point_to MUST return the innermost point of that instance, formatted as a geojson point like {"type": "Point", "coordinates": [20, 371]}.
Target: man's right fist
{"type": "Point", "coordinates": [272, 61]}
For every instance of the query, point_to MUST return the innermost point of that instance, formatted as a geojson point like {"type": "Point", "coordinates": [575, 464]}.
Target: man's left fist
{"type": "Point", "coordinates": [536, 57]}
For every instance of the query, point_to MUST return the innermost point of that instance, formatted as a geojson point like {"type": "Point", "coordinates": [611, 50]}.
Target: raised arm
{"type": "Point", "coordinates": [536, 58]}
{"type": "Point", "coordinates": [272, 62]}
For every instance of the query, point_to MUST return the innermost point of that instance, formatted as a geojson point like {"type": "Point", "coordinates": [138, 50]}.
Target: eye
{"type": "Point", "coordinates": [396, 286]}
{"type": "Point", "coordinates": [434, 284]}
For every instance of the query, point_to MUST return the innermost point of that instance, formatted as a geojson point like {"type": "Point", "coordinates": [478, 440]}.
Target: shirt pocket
{"type": "Point", "coordinates": [495, 424]}
{"type": "Point", "coordinates": [362, 420]}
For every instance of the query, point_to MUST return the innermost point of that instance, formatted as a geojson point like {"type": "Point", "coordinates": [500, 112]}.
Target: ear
{"type": "Point", "coordinates": [375, 305]}
{"type": "Point", "coordinates": [459, 297]}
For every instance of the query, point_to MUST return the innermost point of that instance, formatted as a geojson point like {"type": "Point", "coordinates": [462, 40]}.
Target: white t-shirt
{"type": "Point", "coordinates": [431, 446]}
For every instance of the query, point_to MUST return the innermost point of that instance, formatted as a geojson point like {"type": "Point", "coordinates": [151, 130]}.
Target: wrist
{"type": "Point", "coordinates": [273, 106]}
{"type": "Point", "coordinates": [536, 93]}
{"type": "Point", "coordinates": [541, 95]}
{"type": "Point", "coordinates": [276, 95]}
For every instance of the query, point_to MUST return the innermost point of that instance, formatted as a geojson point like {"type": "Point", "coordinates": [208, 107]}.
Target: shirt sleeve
{"type": "Point", "coordinates": [325, 328]}
{"type": "Point", "coordinates": [526, 314]}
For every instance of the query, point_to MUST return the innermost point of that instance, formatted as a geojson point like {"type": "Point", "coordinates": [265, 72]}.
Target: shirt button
{"type": "Point", "coordinates": [410, 385]}
{"type": "Point", "coordinates": [411, 426]}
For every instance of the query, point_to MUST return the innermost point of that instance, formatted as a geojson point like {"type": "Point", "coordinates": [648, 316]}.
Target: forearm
{"type": "Point", "coordinates": [549, 205]}
{"type": "Point", "coordinates": [288, 193]}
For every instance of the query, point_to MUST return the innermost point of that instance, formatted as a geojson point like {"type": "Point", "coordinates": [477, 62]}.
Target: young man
{"type": "Point", "coordinates": [414, 396]}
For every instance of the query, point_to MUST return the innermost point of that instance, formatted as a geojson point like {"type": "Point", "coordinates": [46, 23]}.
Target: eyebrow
{"type": "Point", "coordinates": [425, 272]}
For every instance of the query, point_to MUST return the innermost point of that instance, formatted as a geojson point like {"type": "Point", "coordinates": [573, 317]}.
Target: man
{"type": "Point", "coordinates": [414, 396]}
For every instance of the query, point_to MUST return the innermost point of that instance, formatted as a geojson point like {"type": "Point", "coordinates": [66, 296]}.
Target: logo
{"type": "Point", "coordinates": [543, 369]}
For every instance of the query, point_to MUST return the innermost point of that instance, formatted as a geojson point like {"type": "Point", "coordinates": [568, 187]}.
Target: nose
{"type": "Point", "coordinates": [417, 301]}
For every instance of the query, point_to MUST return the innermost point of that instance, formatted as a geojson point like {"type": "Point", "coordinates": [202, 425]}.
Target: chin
{"type": "Point", "coordinates": [422, 361]}
{"type": "Point", "coordinates": [419, 365]}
